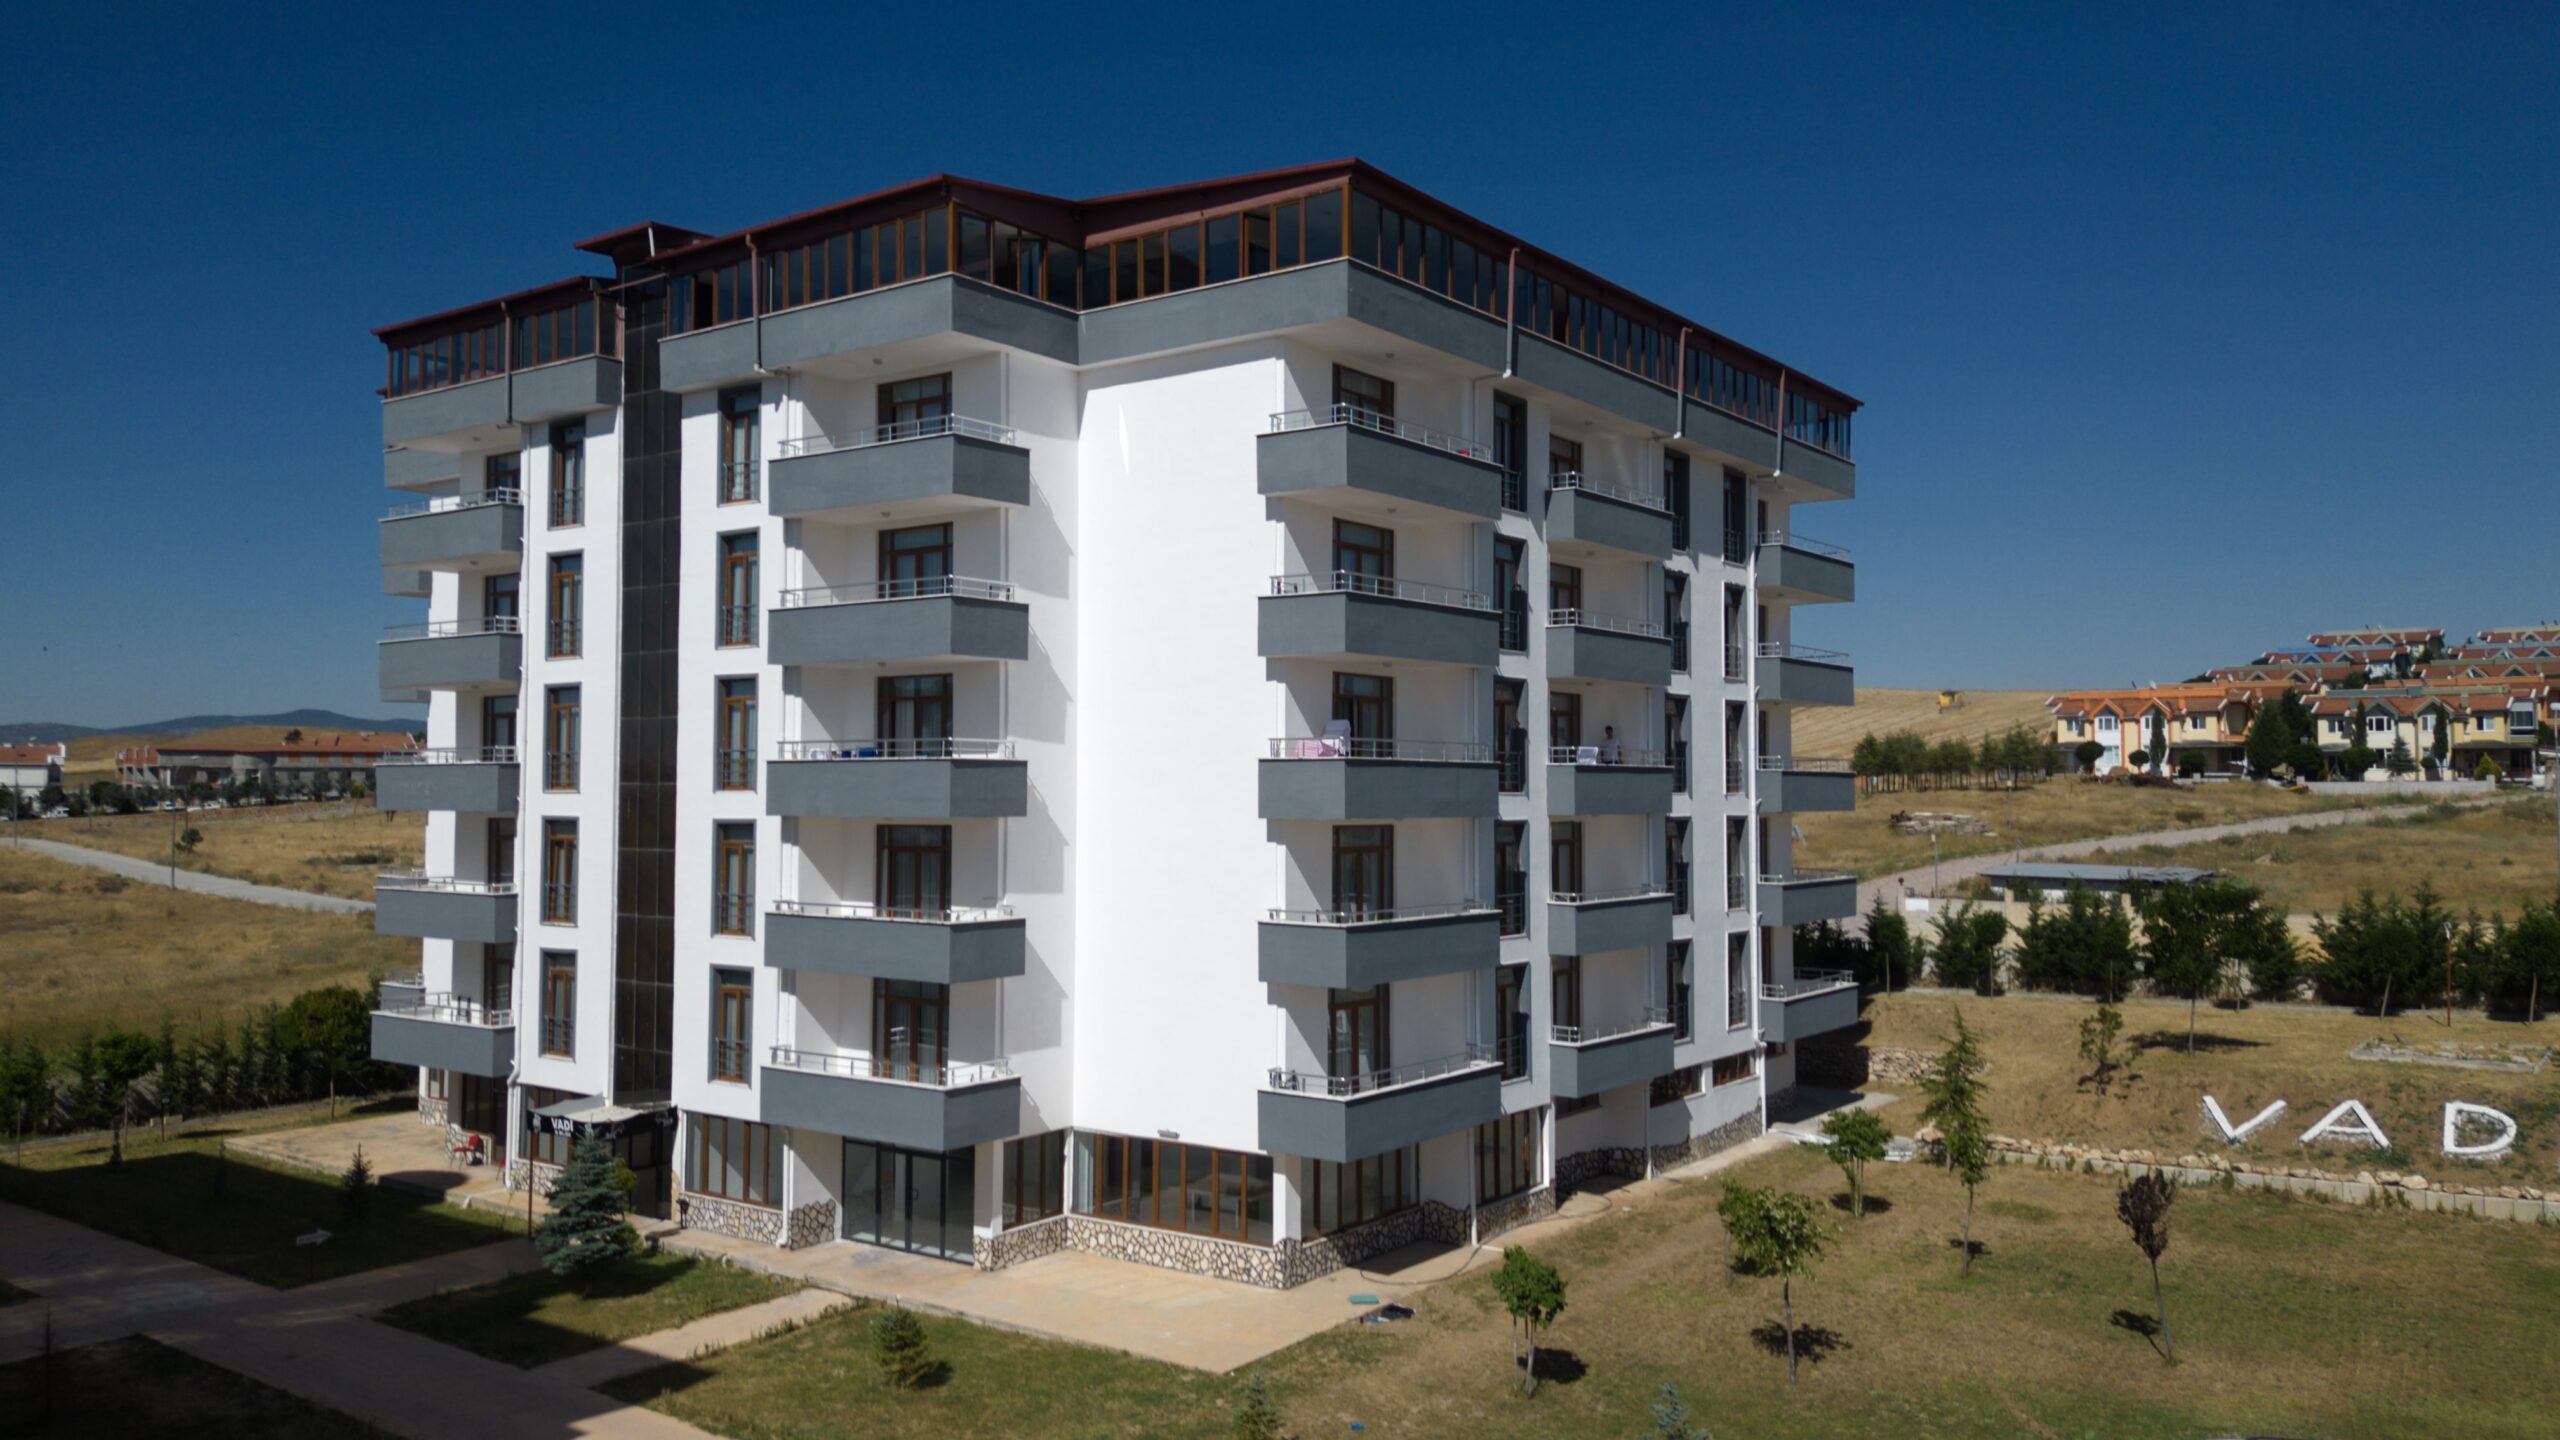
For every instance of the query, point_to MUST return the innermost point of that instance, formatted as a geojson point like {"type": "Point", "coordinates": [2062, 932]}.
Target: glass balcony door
{"type": "Point", "coordinates": [1364, 871]}
{"type": "Point", "coordinates": [914, 880]}
{"type": "Point", "coordinates": [915, 560]}
{"type": "Point", "coordinates": [1357, 1042]}
{"type": "Point", "coordinates": [914, 713]}
{"type": "Point", "coordinates": [910, 1029]}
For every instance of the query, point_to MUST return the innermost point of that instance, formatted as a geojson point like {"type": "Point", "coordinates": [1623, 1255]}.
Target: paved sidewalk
{"type": "Point", "coordinates": [194, 881]}
{"type": "Point", "coordinates": [405, 1155]}
{"type": "Point", "coordinates": [711, 1332]}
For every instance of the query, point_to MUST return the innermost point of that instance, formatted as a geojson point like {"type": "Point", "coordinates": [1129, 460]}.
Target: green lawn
{"type": "Point", "coordinates": [139, 1389]}
{"type": "Point", "coordinates": [2292, 1318]}
{"type": "Point", "coordinates": [534, 1319]}
{"type": "Point", "coordinates": [236, 1214]}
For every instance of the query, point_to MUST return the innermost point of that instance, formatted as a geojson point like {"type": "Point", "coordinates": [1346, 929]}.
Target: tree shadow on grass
{"type": "Point", "coordinates": [2206, 1042]}
{"type": "Point", "coordinates": [2146, 1326]}
{"type": "Point", "coordinates": [1814, 1343]}
{"type": "Point", "coordinates": [1979, 1249]}
{"type": "Point", "coordinates": [1876, 1204]}
{"type": "Point", "coordinates": [1559, 1366]}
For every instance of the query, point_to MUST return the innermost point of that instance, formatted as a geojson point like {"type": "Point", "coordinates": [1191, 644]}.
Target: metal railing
{"type": "Point", "coordinates": [1737, 892]}
{"type": "Point", "coordinates": [1367, 419]}
{"type": "Point", "coordinates": [733, 769]}
{"type": "Point", "coordinates": [928, 587]}
{"type": "Point", "coordinates": [562, 639]}
{"type": "Point", "coordinates": [1804, 543]}
{"type": "Point", "coordinates": [404, 980]}
{"type": "Point", "coordinates": [1388, 915]}
{"type": "Point", "coordinates": [1680, 646]}
{"type": "Point", "coordinates": [1818, 764]}
{"type": "Point", "coordinates": [943, 1075]}
{"type": "Point", "coordinates": [1733, 773]}
{"type": "Point", "coordinates": [729, 1059]}
{"type": "Point", "coordinates": [1733, 657]}
{"type": "Point", "coordinates": [733, 912]}
{"type": "Point", "coordinates": [1606, 753]}
{"type": "Point", "coordinates": [737, 481]}
{"type": "Point", "coordinates": [1735, 552]}
{"type": "Point", "coordinates": [1809, 875]}
{"type": "Point", "coordinates": [1362, 747]}
{"type": "Point", "coordinates": [1789, 650]}
{"type": "Point", "coordinates": [1477, 1055]}
{"type": "Point", "coordinates": [1653, 1017]}
{"type": "Point", "coordinates": [463, 755]}
{"type": "Point", "coordinates": [737, 625]}
{"type": "Point", "coordinates": [447, 629]}
{"type": "Point", "coordinates": [903, 914]}
{"type": "Point", "coordinates": [1385, 587]}
{"type": "Point", "coordinates": [1644, 890]}
{"type": "Point", "coordinates": [926, 428]}
{"type": "Point", "coordinates": [1515, 490]}
{"type": "Point", "coordinates": [443, 504]}
{"type": "Point", "coordinates": [560, 902]}
{"type": "Point", "coordinates": [1808, 982]}
{"type": "Point", "coordinates": [560, 771]}
{"type": "Point", "coordinates": [1576, 480]}
{"type": "Point", "coordinates": [926, 748]}
{"type": "Point", "coordinates": [1600, 620]}
{"type": "Point", "coordinates": [1680, 767]}
{"type": "Point", "coordinates": [559, 1035]}
{"type": "Point", "coordinates": [420, 881]}
{"type": "Point", "coordinates": [450, 1009]}
{"type": "Point", "coordinates": [1513, 906]}
{"type": "Point", "coordinates": [1511, 775]}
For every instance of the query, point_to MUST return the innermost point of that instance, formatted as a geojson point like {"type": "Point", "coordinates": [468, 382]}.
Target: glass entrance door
{"type": "Point", "coordinates": [910, 1199]}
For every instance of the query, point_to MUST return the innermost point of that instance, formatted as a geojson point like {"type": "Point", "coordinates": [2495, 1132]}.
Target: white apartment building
{"type": "Point", "coordinates": [1237, 727]}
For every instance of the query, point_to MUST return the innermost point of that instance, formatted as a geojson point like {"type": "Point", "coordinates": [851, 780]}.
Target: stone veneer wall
{"type": "Point", "coordinates": [1584, 1166]}
{"type": "Point", "coordinates": [1698, 1147]}
{"type": "Point", "coordinates": [543, 1176]}
{"type": "Point", "coordinates": [1174, 1250]}
{"type": "Point", "coordinates": [811, 1224]}
{"type": "Point", "coordinates": [728, 1217]}
{"type": "Point", "coordinates": [1512, 1212]}
{"type": "Point", "coordinates": [431, 1111]}
{"type": "Point", "coordinates": [1022, 1242]}
{"type": "Point", "coordinates": [1277, 1266]}
{"type": "Point", "coordinates": [2364, 1187]}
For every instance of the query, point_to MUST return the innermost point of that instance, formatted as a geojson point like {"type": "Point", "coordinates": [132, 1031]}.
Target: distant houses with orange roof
{"type": "Point", "coordinates": [319, 764]}
{"type": "Point", "coordinates": [27, 770]}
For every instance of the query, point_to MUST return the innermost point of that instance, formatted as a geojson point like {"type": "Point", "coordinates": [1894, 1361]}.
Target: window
{"type": "Point", "coordinates": [569, 473]}
{"type": "Point", "coordinates": [1564, 460]}
{"type": "Point", "coordinates": [1737, 633]}
{"type": "Point", "coordinates": [738, 1160]}
{"type": "Point", "coordinates": [1564, 859]}
{"type": "Point", "coordinates": [1511, 450]}
{"type": "Point", "coordinates": [1510, 562]}
{"type": "Point", "coordinates": [1363, 552]}
{"type": "Point", "coordinates": [1035, 1170]}
{"type": "Point", "coordinates": [503, 474]}
{"type": "Point", "coordinates": [498, 728]}
{"type": "Point", "coordinates": [1675, 728]}
{"type": "Point", "coordinates": [2107, 724]}
{"type": "Point", "coordinates": [915, 561]}
{"type": "Point", "coordinates": [542, 1144]}
{"type": "Point", "coordinates": [1173, 1186]}
{"type": "Point", "coordinates": [705, 298]}
{"type": "Point", "coordinates": [1511, 875]}
{"type": "Point", "coordinates": [914, 407]}
{"type": "Point", "coordinates": [738, 589]}
{"type": "Point", "coordinates": [568, 605]}
{"type": "Point", "coordinates": [1676, 989]}
{"type": "Point", "coordinates": [1564, 592]}
{"type": "Point", "coordinates": [559, 1003]}
{"type": "Point", "coordinates": [560, 872]}
{"type": "Point", "coordinates": [560, 738]}
{"type": "Point", "coordinates": [733, 903]}
{"type": "Point", "coordinates": [734, 760]}
{"type": "Point", "coordinates": [1675, 492]}
{"type": "Point", "coordinates": [1675, 617]}
{"type": "Point", "coordinates": [2198, 722]}
{"type": "Point", "coordinates": [914, 714]}
{"type": "Point", "coordinates": [1511, 1019]}
{"type": "Point", "coordinates": [2378, 724]}
{"type": "Point", "coordinates": [1564, 719]}
{"type": "Point", "coordinates": [910, 1030]}
{"type": "Point", "coordinates": [914, 880]}
{"type": "Point", "coordinates": [1675, 862]}
{"type": "Point", "coordinates": [1737, 511]}
{"type": "Point", "coordinates": [1737, 981]}
{"type": "Point", "coordinates": [563, 332]}
{"type": "Point", "coordinates": [1564, 992]}
{"type": "Point", "coordinates": [1734, 1069]}
{"type": "Point", "coordinates": [1359, 1191]}
{"type": "Point", "coordinates": [1367, 703]}
{"type": "Point", "coordinates": [733, 996]}
{"type": "Point", "coordinates": [1356, 1031]}
{"type": "Point", "coordinates": [1507, 1156]}
{"type": "Point", "coordinates": [1369, 399]}
{"type": "Point", "coordinates": [1510, 738]}
{"type": "Point", "coordinates": [1677, 1086]}
{"type": "Point", "coordinates": [500, 855]}
{"type": "Point", "coordinates": [501, 600]}
{"type": "Point", "coordinates": [739, 410]}
{"type": "Point", "coordinates": [1364, 870]}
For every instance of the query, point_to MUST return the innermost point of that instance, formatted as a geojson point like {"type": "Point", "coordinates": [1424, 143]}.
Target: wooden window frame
{"type": "Point", "coordinates": [733, 850]}
{"type": "Point", "coordinates": [733, 1004]}
{"type": "Point", "coordinates": [559, 871]}
{"type": "Point", "coordinates": [559, 1017]}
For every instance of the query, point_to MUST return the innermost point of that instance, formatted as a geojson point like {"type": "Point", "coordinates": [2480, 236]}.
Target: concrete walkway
{"type": "Point", "coordinates": [194, 881]}
{"type": "Point", "coordinates": [711, 1332]}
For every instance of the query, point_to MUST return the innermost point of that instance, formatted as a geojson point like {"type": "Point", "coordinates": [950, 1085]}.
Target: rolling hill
{"type": "Point", "coordinates": [46, 732]}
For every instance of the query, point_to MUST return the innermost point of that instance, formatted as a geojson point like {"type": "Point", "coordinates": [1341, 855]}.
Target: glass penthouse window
{"type": "Point", "coordinates": [471, 352]}
{"type": "Point", "coordinates": [1301, 230]}
{"type": "Point", "coordinates": [451, 359]}
{"type": "Point", "coordinates": [564, 333]}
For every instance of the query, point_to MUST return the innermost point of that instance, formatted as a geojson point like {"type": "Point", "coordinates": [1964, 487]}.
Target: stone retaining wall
{"type": "Point", "coordinates": [1698, 1147]}
{"type": "Point", "coordinates": [1514, 1211]}
{"type": "Point", "coordinates": [2364, 1187]}
{"type": "Point", "coordinates": [1022, 1242]}
{"type": "Point", "coordinates": [728, 1217]}
{"type": "Point", "coordinates": [431, 1111]}
{"type": "Point", "coordinates": [811, 1224]}
{"type": "Point", "coordinates": [543, 1176]}
{"type": "Point", "coordinates": [1844, 1066]}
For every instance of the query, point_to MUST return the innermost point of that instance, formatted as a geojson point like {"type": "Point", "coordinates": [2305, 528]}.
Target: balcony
{"type": "Point", "coordinates": [1362, 463]}
{"type": "Point", "coordinates": [445, 1032]}
{"type": "Point", "coordinates": [889, 1102]}
{"type": "Point", "coordinates": [948, 618]}
{"type": "Point", "coordinates": [914, 470]}
{"type": "Point", "coordinates": [1796, 570]}
{"type": "Point", "coordinates": [942, 945]}
{"type": "Point", "coordinates": [1805, 896]}
{"type": "Point", "coordinates": [1801, 675]}
{"type": "Point", "coordinates": [1586, 1060]}
{"type": "Point", "coordinates": [483, 530]}
{"type": "Point", "coordinates": [461, 655]}
{"type": "Point", "coordinates": [897, 780]}
{"type": "Point", "coordinates": [484, 414]}
{"type": "Point", "coordinates": [1346, 950]}
{"type": "Point", "coordinates": [408, 584]}
{"type": "Point", "coordinates": [1806, 785]}
{"type": "Point", "coordinates": [1343, 777]}
{"type": "Point", "coordinates": [1592, 922]}
{"type": "Point", "coordinates": [932, 320]}
{"type": "Point", "coordinates": [466, 782]}
{"type": "Point", "coordinates": [1815, 1002]}
{"type": "Point", "coordinates": [1586, 514]}
{"type": "Point", "coordinates": [1344, 616]}
{"type": "Point", "coordinates": [1341, 1118]}
{"type": "Point", "coordinates": [401, 989]}
{"type": "Point", "coordinates": [424, 471]}
{"type": "Point", "coordinates": [439, 907]}
{"type": "Point", "coordinates": [1580, 781]}
{"type": "Point", "coordinates": [1589, 645]}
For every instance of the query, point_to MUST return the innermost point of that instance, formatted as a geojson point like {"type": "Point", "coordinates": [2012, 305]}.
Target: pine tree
{"type": "Point", "coordinates": [585, 1233]}
{"type": "Point", "coordinates": [1256, 1417]}
{"type": "Point", "coordinates": [1671, 1418]}
{"type": "Point", "coordinates": [898, 1344]}
{"type": "Point", "coordinates": [355, 1186]}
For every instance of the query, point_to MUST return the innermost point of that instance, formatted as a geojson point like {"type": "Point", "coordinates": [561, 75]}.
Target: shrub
{"type": "Point", "coordinates": [2084, 946]}
{"type": "Point", "coordinates": [898, 1346]}
{"type": "Point", "coordinates": [1967, 950]}
{"type": "Point", "coordinates": [2191, 764]}
{"type": "Point", "coordinates": [2488, 770]}
{"type": "Point", "coordinates": [2378, 952]}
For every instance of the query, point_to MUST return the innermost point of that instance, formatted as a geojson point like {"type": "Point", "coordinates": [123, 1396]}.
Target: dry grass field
{"type": "Point", "coordinates": [81, 950]}
{"type": "Point", "coordinates": [1832, 729]}
{"type": "Point", "coordinates": [2493, 859]}
{"type": "Point", "coordinates": [332, 847]}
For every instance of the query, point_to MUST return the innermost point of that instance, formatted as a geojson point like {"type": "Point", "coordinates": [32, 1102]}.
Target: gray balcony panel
{"type": "Point", "coordinates": [1351, 624]}
{"type": "Point", "coordinates": [895, 949]}
{"type": "Point", "coordinates": [1348, 457]}
{"type": "Point", "coordinates": [913, 1117]}
{"type": "Point", "coordinates": [1829, 474]}
{"type": "Point", "coordinates": [485, 1050]}
{"type": "Point", "coordinates": [942, 305]}
{"type": "Point", "coordinates": [937, 467]}
{"type": "Point", "coordinates": [928, 628]}
{"type": "Point", "coordinates": [445, 915]}
{"type": "Point", "coordinates": [1348, 957]}
{"type": "Point", "coordinates": [1807, 682]}
{"type": "Point", "coordinates": [570, 387]}
{"type": "Point", "coordinates": [1377, 790]}
{"type": "Point", "coordinates": [408, 584]}
{"type": "Point", "coordinates": [470, 789]}
{"type": "Point", "coordinates": [479, 537]}
{"type": "Point", "coordinates": [452, 414]}
{"type": "Point", "coordinates": [399, 994]}
{"type": "Point", "coordinates": [1604, 520]}
{"type": "Point", "coordinates": [1807, 792]}
{"type": "Point", "coordinates": [1600, 926]}
{"type": "Point", "coordinates": [1802, 902]}
{"type": "Point", "coordinates": [1806, 577]}
{"type": "Point", "coordinates": [452, 662]}
{"type": "Point", "coordinates": [1608, 790]}
{"type": "Point", "coordinates": [1575, 653]}
{"type": "Point", "coordinates": [700, 359]}
{"type": "Point", "coordinates": [1732, 435]}
{"type": "Point", "coordinates": [406, 469]}
{"type": "Point", "coordinates": [1285, 300]}
{"type": "Point", "coordinates": [898, 789]}
{"type": "Point", "coordinates": [1570, 372]}
{"type": "Point", "coordinates": [1806, 1016]}
{"type": "Point", "coordinates": [1355, 1127]}
{"type": "Point", "coordinates": [1577, 1072]}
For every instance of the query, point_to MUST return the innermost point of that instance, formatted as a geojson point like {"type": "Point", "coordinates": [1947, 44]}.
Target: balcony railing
{"type": "Point", "coordinates": [1805, 543]}
{"type": "Point", "coordinates": [562, 639]}
{"type": "Point", "coordinates": [1576, 480]}
{"type": "Point", "coordinates": [1353, 582]}
{"type": "Point", "coordinates": [451, 1009]}
{"type": "Point", "coordinates": [940, 748]}
{"type": "Point", "coordinates": [1653, 1017]}
{"type": "Point", "coordinates": [1817, 764]}
{"type": "Point", "coordinates": [904, 914]}
{"type": "Point", "coordinates": [1304, 1082]}
{"type": "Point", "coordinates": [1362, 747]}
{"type": "Point", "coordinates": [923, 429]}
{"type": "Point", "coordinates": [442, 504]}
{"type": "Point", "coordinates": [1737, 892]}
{"type": "Point", "coordinates": [1733, 776]}
{"type": "Point", "coordinates": [440, 884]}
{"type": "Point", "coordinates": [1605, 753]}
{"type": "Point", "coordinates": [1734, 550]}
{"type": "Point", "coordinates": [733, 913]}
{"type": "Point", "coordinates": [1515, 490]}
{"type": "Point", "coordinates": [941, 1076]}
{"type": "Point", "coordinates": [1513, 905]}
{"type": "Point", "coordinates": [737, 481]}
{"type": "Point", "coordinates": [1807, 874]}
{"type": "Point", "coordinates": [1789, 650]}
{"type": "Point", "coordinates": [1512, 778]}
{"type": "Point", "coordinates": [1807, 982]}
{"type": "Point", "coordinates": [560, 771]}
{"type": "Point", "coordinates": [1646, 890]}
{"type": "Point", "coordinates": [737, 625]}
{"type": "Point", "coordinates": [1384, 916]}
{"type": "Point", "coordinates": [733, 769]}
{"type": "Point", "coordinates": [447, 629]}
{"type": "Point", "coordinates": [927, 588]}
{"type": "Point", "coordinates": [404, 979]}
{"type": "Point", "coordinates": [483, 755]}
{"type": "Point", "coordinates": [1733, 668]}
{"type": "Point", "coordinates": [1515, 621]}
{"type": "Point", "coordinates": [1680, 646]}
{"type": "Point", "coordinates": [560, 903]}
{"type": "Point", "coordinates": [1368, 419]}
{"type": "Point", "coordinates": [1601, 620]}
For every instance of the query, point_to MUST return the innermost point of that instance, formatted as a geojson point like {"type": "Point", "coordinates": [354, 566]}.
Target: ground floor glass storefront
{"type": "Point", "coordinates": [910, 1199]}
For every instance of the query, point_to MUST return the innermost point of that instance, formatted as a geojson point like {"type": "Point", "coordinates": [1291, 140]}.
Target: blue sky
{"type": "Point", "coordinates": [2181, 334]}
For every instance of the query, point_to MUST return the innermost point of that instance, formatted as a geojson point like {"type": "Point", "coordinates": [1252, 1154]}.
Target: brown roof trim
{"type": "Point", "coordinates": [557, 289]}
